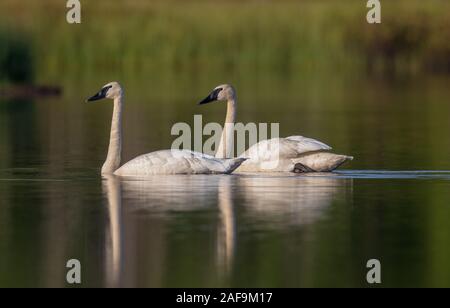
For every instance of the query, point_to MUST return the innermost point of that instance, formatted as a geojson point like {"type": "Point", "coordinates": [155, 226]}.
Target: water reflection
{"type": "Point", "coordinates": [168, 193]}
{"type": "Point", "coordinates": [292, 200]}
{"type": "Point", "coordinates": [165, 195]}
{"type": "Point", "coordinates": [114, 233]}
{"type": "Point", "coordinates": [269, 200]}
{"type": "Point", "coordinates": [226, 242]}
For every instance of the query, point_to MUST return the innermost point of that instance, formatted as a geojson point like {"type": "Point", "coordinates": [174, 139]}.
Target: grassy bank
{"type": "Point", "coordinates": [234, 38]}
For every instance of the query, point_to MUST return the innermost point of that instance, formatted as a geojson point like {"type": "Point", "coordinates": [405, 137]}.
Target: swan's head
{"type": "Point", "coordinates": [110, 91]}
{"type": "Point", "coordinates": [220, 94]}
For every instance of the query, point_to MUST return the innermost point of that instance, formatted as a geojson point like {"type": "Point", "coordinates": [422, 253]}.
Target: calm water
{"type": "Point", "coordinates": [246, 230]}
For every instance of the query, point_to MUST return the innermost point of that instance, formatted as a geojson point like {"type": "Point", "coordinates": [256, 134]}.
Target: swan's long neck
{"type": "Point", "coordinates": [112, 162]}
{"type": "Point", "coordinates": [225, 149]}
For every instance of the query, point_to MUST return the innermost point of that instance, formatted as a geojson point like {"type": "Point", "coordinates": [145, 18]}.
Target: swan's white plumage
{"type": "Point", "coordinates": [309, 144]}
{"type": "Point", "coordinates": [291, 154]}
{"type": "Point", "coordinates": [285, 154]}
{"type": "Point", "coordinates": [291, 147]}
{"type": "Point", "coordinates": [177, 162]}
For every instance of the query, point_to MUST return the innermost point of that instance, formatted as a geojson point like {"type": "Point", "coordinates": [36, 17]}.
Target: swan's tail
{"type": "Point", "coordinates": [232, 164]}
{"type": "Point", "coordinates": [319, 162]}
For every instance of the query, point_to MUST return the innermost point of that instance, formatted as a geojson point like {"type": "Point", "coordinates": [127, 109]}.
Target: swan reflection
{"type": "Point", "coordinates": [114, 234]}
{"type": "Point", "coordinates": [165, 194]}
{"type": "Point", "coordinates": [168, 193]}
{"type": "Point", "coordinates": [292, 200]}
{"type": "Point", "coordinates": [227, 229]}
{"type": "Point", "coordinates": [264, 200]}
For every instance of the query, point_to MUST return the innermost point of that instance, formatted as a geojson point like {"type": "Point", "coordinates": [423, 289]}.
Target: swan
{"type": "Point", "coordinates": [292, 154]}
{"type": "Point", "coordinates": [160, 162]}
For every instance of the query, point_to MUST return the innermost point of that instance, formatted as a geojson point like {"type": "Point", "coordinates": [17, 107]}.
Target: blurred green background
{"type": "Point", "coordinates": [289, 39]}
{"type": "Point", "coordinates": [318, 59]}
{"type": "Point", "coordinates": [377, 92]}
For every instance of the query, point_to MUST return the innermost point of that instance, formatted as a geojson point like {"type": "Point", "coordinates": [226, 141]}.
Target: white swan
{"type": "Point", "coordinates": [293, 154]}
{"type": "Point", "coordinates": [161, 162]}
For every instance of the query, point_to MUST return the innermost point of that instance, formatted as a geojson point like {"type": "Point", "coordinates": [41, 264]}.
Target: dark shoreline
{"type": "Point", "coordinates": [30, 91]}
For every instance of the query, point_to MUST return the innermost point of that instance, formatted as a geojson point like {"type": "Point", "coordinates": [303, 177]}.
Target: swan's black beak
{"type": "Point", "coordinates": [100, 95]}
{"type": "Point", "coordinates": [213, 97]}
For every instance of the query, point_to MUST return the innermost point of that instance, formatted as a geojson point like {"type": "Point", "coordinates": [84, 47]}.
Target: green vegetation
{"type": "Point", "coordinates": [413, 38]}
{"type": "Point", "coordinates": [233, 38]}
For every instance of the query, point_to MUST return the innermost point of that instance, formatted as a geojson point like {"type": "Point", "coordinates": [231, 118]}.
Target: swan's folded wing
{"type": "Point", "coordinates": [305, 145]}
{"type": "Point", "coordinates": [291, 147]}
